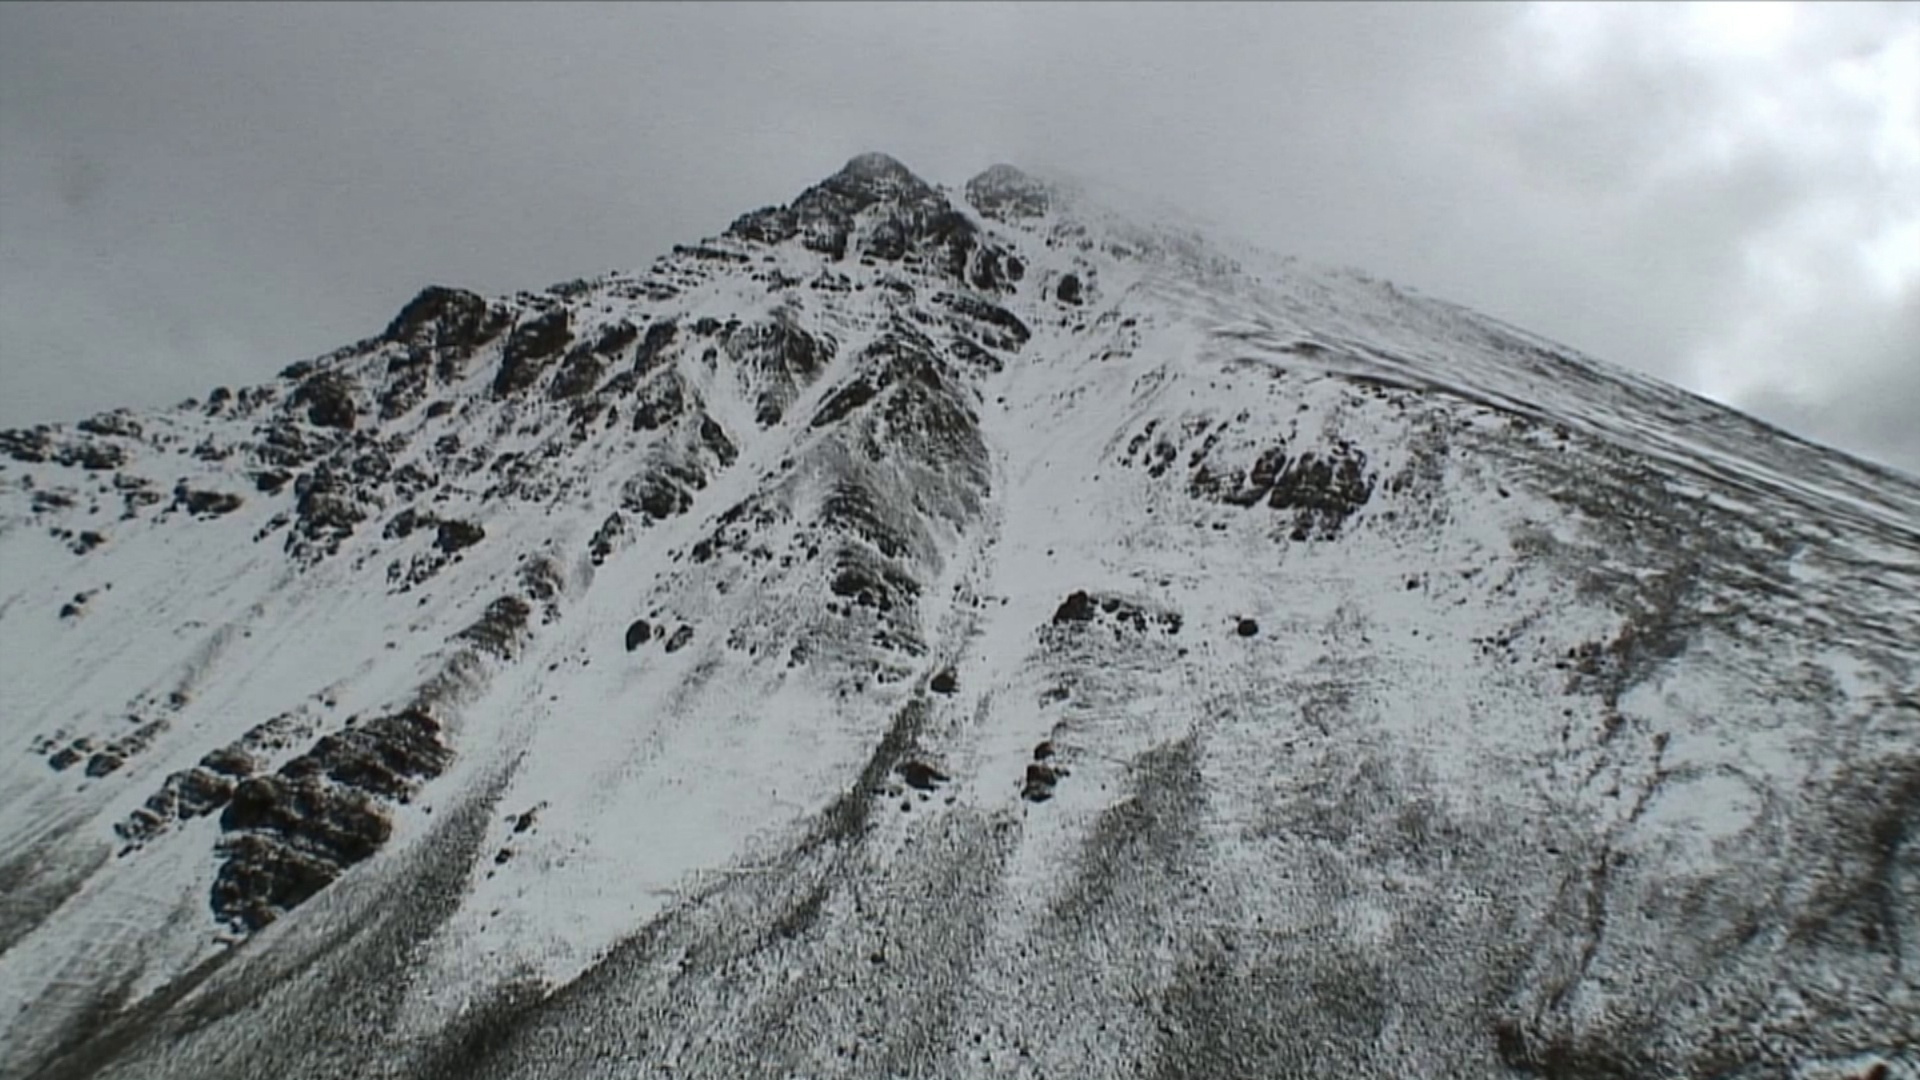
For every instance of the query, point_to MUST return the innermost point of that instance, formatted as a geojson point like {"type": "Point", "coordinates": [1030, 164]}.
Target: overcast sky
{"type": "Point", "coordinates": [1725, 195]}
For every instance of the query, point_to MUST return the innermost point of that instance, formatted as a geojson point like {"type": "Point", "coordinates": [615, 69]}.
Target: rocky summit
{"type": "Point", "coordinates": [931, 632]}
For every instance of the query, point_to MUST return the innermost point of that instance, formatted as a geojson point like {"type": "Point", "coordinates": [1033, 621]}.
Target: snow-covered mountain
{"type": "Point", "coordinates": [955, 633]}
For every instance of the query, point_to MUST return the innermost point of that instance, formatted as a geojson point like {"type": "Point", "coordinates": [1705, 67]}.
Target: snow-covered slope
{"type": "Point", "coordinates": [955, 633]}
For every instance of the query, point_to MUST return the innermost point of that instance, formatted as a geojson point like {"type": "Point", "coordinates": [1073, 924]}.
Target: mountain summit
{"type": "Point", "coordinates": [934, 633]}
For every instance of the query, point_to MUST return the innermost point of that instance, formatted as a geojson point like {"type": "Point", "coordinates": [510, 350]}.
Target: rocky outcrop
{"type": "Point", "coordinates": [1004, 193]}
{"type": "Point", "coordinates": [290, 834]}
{"type": "Point", "coordinates": [530, 348]}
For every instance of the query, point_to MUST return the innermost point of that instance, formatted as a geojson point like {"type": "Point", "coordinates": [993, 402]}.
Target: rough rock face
{"type": "Point", "coordinates": [924, 632]}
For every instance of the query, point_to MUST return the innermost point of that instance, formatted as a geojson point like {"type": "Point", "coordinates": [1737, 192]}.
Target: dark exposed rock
{"type": "Point", "coordinates": [1081, 607]}
{"type": "Point", "coordinates": [70, 755]}
{"type": "Point", "coordinates": [945, 682]}
{"type": "Point", "coordinates": [708, 253]}
{"type": "Point", "coordinates": [291, 834]}
{"type": "Point", "coordinates": [973, 355]}
{"type": "Point", "coordinates": [328, 397]}
{"type": "Point", "coordinates": [1246, 628]}
{"type": "Point", "coordinates": [1003, 329]}
{"type": "Point", "coordinates": [855, 393]}
{"type": "Point", "coordinates": [524, 820]}
{"type": "Point", "coordinates": [115, 753]}
{"type": "Point", "coordinates": [452, 536]}
{"type": "Point", "coordinates": [31, 445]}
{"type": "Point", "coordinates": [638, 632]}
{"type": "Point", "coordinates": [384, 756]}
{"type": "Point", "coordinates": [1039, 782]}
{"type": "Point", "coordinates": [286, 842]}
{"type": "Point", "coordinates": [653, 348]}
{"type": "Point", "coordinates": [1068, 291]}
{"type": "Point", "coordinates": [270, 481]}
{"type": "Point", "coordinates": [448, 319]}
{"type": "Point", "coordinates": [529, 347]}
{"type": "Point", "coordinates": [230, 761]}
{"type": "Point", "coordinates": [93, 455]}
{"type": "Point", "coordinates": [663, 401]}
{"type": "Point", "coordinates": [1004, 193]}
{"type": "Point", "coordinates": [326, 511]}
{"type": "Point", "coordinates": [1077, 607]}
{"type": "Point", "coordinates": [871, 583]}
{"type": "Point", "coordinates": [907, 218]}
{"type": "Point", "coordinates": [920, 776]}
{"type": "Point", "coordinates": [47, 501]}
{"type": "Point", "coordinates": [680, 638]}
{"type": "Point", "coordinates": [1043, 750]}
{"type": "Point", "coordinates": [853, 508]}
{"type": "Point", "coordinates": [611, 532]}
{"type": "Point", "coordinates": [542, 578]}
{"type": "Point", "coordinates": [498, 630]}
{"type": "Point", "coordinates": [404, 523]}
{"type": "Point", "coordinates": [779, 357]}
{"type": "Point", "coordinates": [206, 503]}
{"type": "Point", "coordinates": [1323, 491]}
{"type": "Point", "coordinates": [578, 375]}
{"type": "Point", "coordinates": [713, 438]}
{"type": "Point", "coordinates": [118, 422]}
{"type": "Point", "coordinates": [657, 495]}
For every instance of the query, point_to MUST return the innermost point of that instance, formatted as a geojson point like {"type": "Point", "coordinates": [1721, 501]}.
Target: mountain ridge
{"type": "Point", "coordinates": [955, 632]}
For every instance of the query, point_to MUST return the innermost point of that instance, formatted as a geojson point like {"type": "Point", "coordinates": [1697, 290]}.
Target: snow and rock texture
{"type": "Point", "coordinates": [961, 633]}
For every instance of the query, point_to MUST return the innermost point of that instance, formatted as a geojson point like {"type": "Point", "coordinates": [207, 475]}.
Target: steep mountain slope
{"type": "Point", "coordinates": [955, 633]}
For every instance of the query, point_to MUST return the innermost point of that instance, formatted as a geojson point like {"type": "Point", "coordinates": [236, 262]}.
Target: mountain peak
{"type": "Point", "coordinates": [1004, 192]}
{"type": "Point", "coordinates": [876, 177]}
{"type": "Point", "coordinates": [877, 165]}
{"type": "Point", "coordinates": [891, 638]}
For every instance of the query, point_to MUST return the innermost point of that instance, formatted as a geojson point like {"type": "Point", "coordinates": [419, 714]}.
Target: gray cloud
{"type": "Point", "coordinates": [193, 195]}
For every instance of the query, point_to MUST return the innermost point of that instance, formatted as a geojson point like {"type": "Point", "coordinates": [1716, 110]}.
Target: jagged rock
{"type": "Point", "coordinates": [290, 834]}
{"type": "Point", "coordinates": [1068, 291]}
{"type": "Point", "coordinates": [1246, 628]}
{"type": "Point", "coordinates": [451, 536]}
{"type": "Point", "coordinates": [118, 422]}
{"type": "Point", "coordinates": [31, 445]}
{"type": "Point", "coordinates": [921, 776]}
{"type": "Point", "coordinates": [945, 682]}
{"type": "Point", "coordinates": [498, 631]}
{"type": "Point", "coordinates": [1039, 782]}
{"type": "Point", "coordinates": [1077, 607]}
{"type": "Point", "coordinates": [611, 532]}
{"type": "Point", "coordinates": [206, 503]}
{"type": "Point", "coordinates": [1004, 193]}
{"type": "Point", "coordinates": [329, 400]}
{"type": "Point", "coordinates": [386, 756]}
{"type": "Point", "coordinates": [1082, 607]}
{"type": "Point", "coordinates": [578, 375]}
{"type": "Point", "coordinates": [657, 495]}
{"type": "Point", "coordinates": [638, 633]}
{"type": "Point", "coordinates": [91, 454]}
{"type": "Point", "coordinates": [653, 348]}
{"type": "Point", "coordinates": [529, 347]}
{"type": "Point", "coordinates": [326, 511]}
{"type": "Point", "coordinates": [680, 638]}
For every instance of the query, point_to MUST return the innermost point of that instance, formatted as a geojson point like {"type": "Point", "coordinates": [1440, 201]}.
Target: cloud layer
{"type": "Point", "coordinates": [1724, 195]}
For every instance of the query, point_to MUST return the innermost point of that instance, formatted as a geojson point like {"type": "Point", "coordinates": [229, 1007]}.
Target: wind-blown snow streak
{"type": "Point", "coordinates": [955, 633]}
